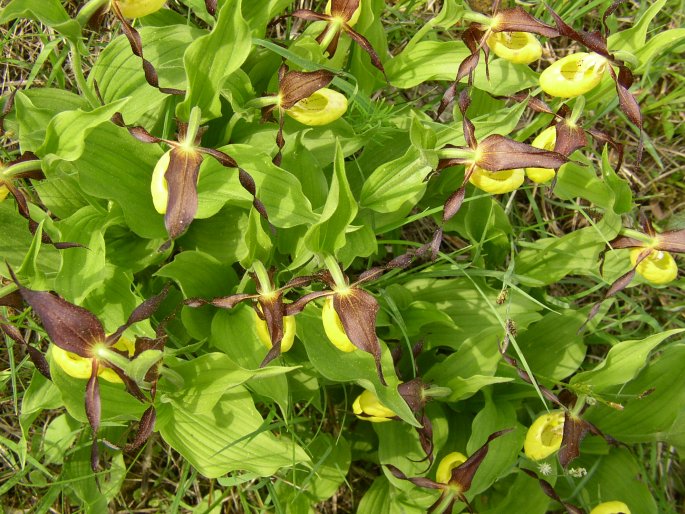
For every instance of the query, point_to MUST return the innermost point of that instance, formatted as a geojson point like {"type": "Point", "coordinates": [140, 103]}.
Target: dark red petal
{"type": "Point", "coordinates": [181, 177]}
{"type": "Point", "coordinates": [595, 41]}
{"type": "Point", "coordinates": [309, 15]}
{"type": "Point", "coordinates": [297, 85]}
{"type": "Point", "coordinates": [145, 428]}
{"type": "Point", "coordinates": [496, 153]}
{"type": "Point", "coordinates": [93, 406]}
{"type": "Point", "coordinates": [70, 327]}
{"type": "Point", "coordinates": [420, 481]}
{"type": "Point", "coordinates": [366, 45]}
{"type": "Point", "coordinates": [575, 429]}
{"type": "Point", "coordinates": [518, 20]}
{"type": "Point", "coordinates": [140, 313]}
{"type": "Point", "coordinates": [357, 310]}
{"type": "Point", "coordinates": [549, 491]}
{"type": "Point", "coordinates": [672, 241]}
{"type": "Point", "coordinates": [210, 5]}
{"type": "Point", "coordinates": [296, 307]}
{"type": "Point", "coordinates": [344, 8]}
{"type": "Point", "coordinates": [37, 358]}
{"type": "Point", "coordinates": [463, 475]}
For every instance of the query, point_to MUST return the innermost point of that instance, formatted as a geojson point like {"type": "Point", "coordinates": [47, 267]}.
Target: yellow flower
{"type": "Point", "coordinates": [497, 182]}
{"type": "Point", "coordinates": [3, 192]}
{"type": "Point", "coordinates": [334, 328]}
{"type": "Point", "coordinates": [573, 75]}
{"type": "Point", "coordinates": [613, 507]}
{"type": "Point", "coordinates": [447, 464]}
{"type": "Point", "coordinates": [355, 16]}
{"type": "Point", "coordinates": [320, 108]}
{"type": "Point", "coordinates": [288, 332]}
{"type": "Point", "coordinates": [367, 407]}
{"type": "Point", "coordinates": [546, 141]}
{"type": "Point", "coordinates": [516, 47]}
{"type": "Point", "coordinates": [544, 436]}
{"type": "Point", "coordinates": [139, 8]}
{"type": "Point", "coordinates": [659, 267]}
{"type": "Point", "coordinates": [81, 367]}
{"type": "Point", "coordinates": [158, 184]}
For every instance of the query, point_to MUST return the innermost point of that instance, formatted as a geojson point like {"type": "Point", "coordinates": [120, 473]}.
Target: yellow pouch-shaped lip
{"type": "Point", "coordinates": [320, 108]}
{"type": "Point", "coordinates": [573, 75]}
{"type": "Point", "coordinates": [447, 464]}
{"type": "Point", "coordinates": [497, 182]}
{"type": "Point", "coordinates": [334, 328]}
{"type": "Point", "coordinates": [3, 192]}
{"type": "Point", "coordinates": [158, 184]}
{"type": "Point", "coordinates": [81, 367]}
{"type": "Point", "coordinates": [139, 8]}
{"type": "Point", "coordinates": [612, 507]}
{"type": "Point", "coordinates": [288, 332]}
{"type": "Point", "coordinates": [544, 436]}
{"type": "Point", "coordinates": [355, 16]}
{"type": "Point", "coordinates": [545, 140]}
{"type": "Point", "coordinates": [367, 407]}
{"type": "Point", "coordinates": [516, 47]}
{"type": "Point", "coordinates": [658, 267]}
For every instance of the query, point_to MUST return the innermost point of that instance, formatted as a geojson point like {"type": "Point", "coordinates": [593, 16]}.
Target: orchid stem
{"type": "Point", "coordinates": [19, 168]}
{"type": "Point", "coordinates": [335, 271]}
{"type": "Point", "coordinates": [88, 10]}
{"type": "Point", "coordinates": [80, 78]}
{"type": "Point", "coordinates": [262, 274]}
{"type": "Point", "coordinates": [193, 126]}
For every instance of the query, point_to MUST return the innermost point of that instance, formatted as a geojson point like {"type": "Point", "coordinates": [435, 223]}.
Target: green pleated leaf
{"type": "Point", "coordinates": [211, 58]}
{"type": "Point", "coordinates": [623, 363]}
{"type": "Point", "coordinates": [230, 437]}
{"type": "Point", "coordinates": [328, 235]}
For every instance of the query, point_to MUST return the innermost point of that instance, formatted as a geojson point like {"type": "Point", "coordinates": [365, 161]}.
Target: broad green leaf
{"type": "Point", "coordinates": [67, 132]}
{"type": "Point", "coordinates": [398, 445]}
{"type": "Point", "coordinates": [61, 193]}
{"type": "Point", "coordinates": [230, 437]}
{"type": "Point", "coordinates": [48, 12]}
{"type": "Point", "coordinates": [383, 498]}
{"type": "Point", "coordinates": [331, 461]}
{"type": "Point", "coordinates": [211, 58]}
{"type": "Point", "coordinates": [439, 60]}
{"type": "Point", "coordinates": [523, 494]}
{"type": "Point", "coordinates": [257, 241]}
{"type": "Point", "coordinates": [82, 268]}
{"type": "Point", "coordinates": [634, 38]}
{"type": "Point", "coordinates": [400, 183]}
{"type": "Point", "coordinates": [657, 46]}
{"type": "Point", "coordinates": [356, 366]}
{"type": "Point", "coordinates": [623, 195]}
{"type": "Point", "coordinates": [574, 181]}
{"type": "Point", "coordinates": [119, 73]}
{"type": "Point", "coordinates": [552, 346]}
{"type": "Point", "coordinates": [650, 417]}
{"type": "Point", "coordinates": [328, 235]}
{"type": "Point", "coordinates": [549, 260]}
{"type": "Point", "coordinates": [206, 378]}
{"type": "Point", "coordinates": [221, 236]}
{"type": "Point", "coordinates": [58, 438]}
{"type": "Point", "coordinates": [115, 166]}
{"type": "Point", "coordinates": [29, 272]}
{"type": "Point", "coordinates": [258, 15]}
{"type": "Point", "coordinates": [623, 362]}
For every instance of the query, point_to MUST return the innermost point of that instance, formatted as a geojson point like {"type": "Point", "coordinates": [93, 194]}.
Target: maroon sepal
{"type": "Point", "coordinates": [549, 491]}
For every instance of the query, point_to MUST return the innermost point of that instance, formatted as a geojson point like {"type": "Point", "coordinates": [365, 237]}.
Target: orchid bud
{"type": "Point", "coordinates": [334, 328]}
{"type": "Point", "coordinates": [355, 15]}
{"type": "Point", "coordinates": [573, 75]}
{"type": "Point", "coordinates": [447, 464]}
{"type": "Point", "coordinates": [658, 267]}
{"type": "Point", "coordinates": [139, 8]}
{"type": "Point", "coordinates": [288, 332]}
{"type": "Point", "coordinates": [158, 185]}
{"type": "Point", "coordinates": [546, 141]}
{"type": "Point", "coordinates": [515, 47]}
{"type": "Point", "coordinates": [367, 407]}
{"type": "Point", "coordinates": [497, 182]}
{"type": "Point", "coordinates": [544, 436]}
{"type": "Point", "coordinates": [612, 507]}
{"type": "Point", "coordinates": [320, 108]}
{"type": "Point", "coordinates": [81, 367]}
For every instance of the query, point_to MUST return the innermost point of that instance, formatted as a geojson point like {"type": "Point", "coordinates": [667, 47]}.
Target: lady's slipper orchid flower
{"type": "Point", "coordinates": [367, 407]}
{"type": "Point", "coordinates": [495, 153]}
{"type": "Point", "coordinates": [81, 367]}
{"type": "Point", "coordinates": [174, 180]}
{"type": "Point", "coordinates": [75, 330]}
{"type": "Point", "coordinates": [447, 464]}
{"type": "Point", "coordinates": [138, 8]}
{"type": "Point", "coordinates": [612, 507]}
{"type": "Point", "coordinates": [658, 267]}
{"type": "Point", "coordinates": [578, 73]}
{"type": "Point", "coordinates": [320, 108]}
{"type": "Point", "coordinates": [545, 140]}
{"type": "Point", "coordinates": [515, 47]}
{"type": "Point", "coordinates": [275, 328]}
{"type": "Point", "coordinates": [3, 191]}
{"type": "Point", "coordinates": [544, 436]}
{"type": "Point", "coordinates": [293, 88]}
{"type": "Point", "coordinates": [335, 331]}
{"type": "Point", "coordinates": [650, 257]}
{"type": "Point", "coordinates": [507, 33]}
{"type": "Point", "coordinates": [340, 16]}
{"type": "Point", "coordinates": [459, 480]}
{"type": "Point", "coordinates": [497, 182]}
{"type": "Point", "coordinates": [574, 75]}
